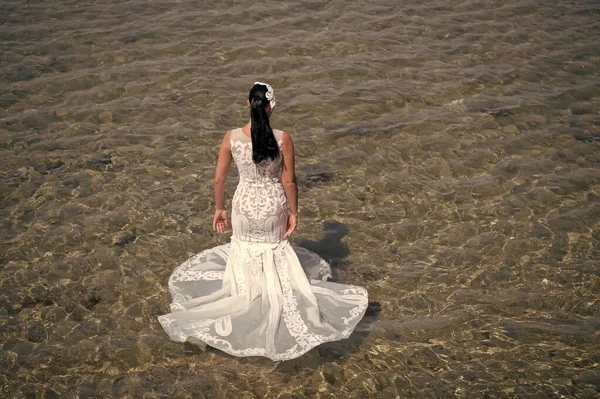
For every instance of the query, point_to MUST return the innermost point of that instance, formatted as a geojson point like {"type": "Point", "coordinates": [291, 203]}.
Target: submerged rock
{"type": "Point", "coordinates": [587, 137]}
{"type": "Point", "coordinates": [123, 237]}
{"type": "Point", "coordinates": [99, 162]}
{"type": "Point", "coordinates": [37, 334]}
{"type": "Point", "coordinates": [497, 112]}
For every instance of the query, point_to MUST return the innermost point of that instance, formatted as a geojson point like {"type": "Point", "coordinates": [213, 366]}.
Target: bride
{"type": "Point", "coordinates": [258, 295]}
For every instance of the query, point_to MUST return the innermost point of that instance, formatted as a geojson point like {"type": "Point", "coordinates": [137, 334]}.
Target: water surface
{"type": "Point", "coordinates": [447, 155]}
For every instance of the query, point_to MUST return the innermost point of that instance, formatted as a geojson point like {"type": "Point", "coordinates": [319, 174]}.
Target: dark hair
{"type": "Point", "coordinates": [264, 144]}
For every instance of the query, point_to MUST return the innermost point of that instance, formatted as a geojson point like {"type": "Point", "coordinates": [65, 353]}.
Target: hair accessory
{"type": "Point", "coordinates": [270, 93]}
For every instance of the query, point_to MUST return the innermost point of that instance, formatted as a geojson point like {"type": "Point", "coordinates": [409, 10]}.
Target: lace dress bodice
{"type": "Point", "coordinates": [259, 207]}
{"type": "Point", "coordinates": [266, 172]}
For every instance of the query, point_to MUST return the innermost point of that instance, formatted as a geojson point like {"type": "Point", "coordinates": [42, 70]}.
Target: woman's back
{"type": "Point", "coordinates": [259, 207]}
{"type": "Point", "coordinates": [266, 171]}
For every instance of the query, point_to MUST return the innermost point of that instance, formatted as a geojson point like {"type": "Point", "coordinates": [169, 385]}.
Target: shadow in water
{"type": "Point", "coordinates": [330, 247]}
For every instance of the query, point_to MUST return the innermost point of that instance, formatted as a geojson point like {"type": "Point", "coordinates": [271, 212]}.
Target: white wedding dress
{"type": "Point", "coordinates": [258, 295]}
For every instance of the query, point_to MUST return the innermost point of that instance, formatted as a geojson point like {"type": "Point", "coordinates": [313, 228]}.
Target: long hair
{"type": "Point", "coordinates": [264, 144]}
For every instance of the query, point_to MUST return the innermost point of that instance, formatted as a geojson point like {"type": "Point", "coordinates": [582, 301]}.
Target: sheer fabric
{"type": "Point", "coordinates": [259, 295]}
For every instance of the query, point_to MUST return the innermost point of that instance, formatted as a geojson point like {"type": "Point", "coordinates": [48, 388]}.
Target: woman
{"type": "Point", "coordinates": [258, 295]}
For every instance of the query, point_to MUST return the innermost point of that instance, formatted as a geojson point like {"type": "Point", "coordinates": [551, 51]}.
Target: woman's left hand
{"type": "Point", "coordinates": [220, 220]}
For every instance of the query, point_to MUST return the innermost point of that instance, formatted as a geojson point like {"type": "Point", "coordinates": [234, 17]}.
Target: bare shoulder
{"type": "Point", "coordinates": [287, 146]}
{"type": "Point", "coordinates": [226, 143]}
{"type": "Point", "coordinates": [286, 137]}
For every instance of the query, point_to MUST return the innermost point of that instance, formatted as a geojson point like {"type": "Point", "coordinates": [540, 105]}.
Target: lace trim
{"type": "Point", "coordinates": [194, 275]}
{"type": "Point", "coordinates": [324, 267]}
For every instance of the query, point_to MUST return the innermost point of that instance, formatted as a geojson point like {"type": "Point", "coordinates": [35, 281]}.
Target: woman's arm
{"type": "Point", "coordinates": [221, 171]}
{"type": "Point", "coordinates": [288, 179]}
{"type": "Point", "coordinates": [220, 218]}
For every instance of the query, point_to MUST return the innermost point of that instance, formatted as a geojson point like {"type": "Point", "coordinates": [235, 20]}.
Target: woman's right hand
{"type": "Point", "coordinates": [291, 225]}
{"type": "Point", "coordinates": [220, 220]}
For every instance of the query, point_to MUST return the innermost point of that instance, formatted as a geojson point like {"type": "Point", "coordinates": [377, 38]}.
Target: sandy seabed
{"type": "Point", "coordinates": [447, 155]}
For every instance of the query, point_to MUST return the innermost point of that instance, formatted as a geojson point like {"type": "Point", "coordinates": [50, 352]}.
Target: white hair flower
{"type": "Point", "coordinates": [270, 93]}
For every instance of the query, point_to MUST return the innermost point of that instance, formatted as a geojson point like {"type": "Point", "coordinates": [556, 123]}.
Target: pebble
{"type": "Point", "coordinates": [37, 334]}
{"type": "Point", "coordinates": [123, 237]}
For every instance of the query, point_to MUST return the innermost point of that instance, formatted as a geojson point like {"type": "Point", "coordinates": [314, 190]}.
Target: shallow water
{"type": "Point", "coordinates": [447, 155]}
